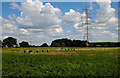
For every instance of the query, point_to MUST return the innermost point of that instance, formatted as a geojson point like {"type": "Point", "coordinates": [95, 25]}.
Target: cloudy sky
{"type": "Point", "coordinates": [39, 22]}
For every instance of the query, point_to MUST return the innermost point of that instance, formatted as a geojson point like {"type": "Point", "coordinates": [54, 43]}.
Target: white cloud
{"type": "Point", "coordinates": [109, 1]}
{"type": "Point", "coordinates": [42, 23]}
{"type": "Point", "coordinates": [35, 30]}
{"type": "Point", "coordinates": [72, 17]}
{"type": "Point", "coordinates": [29, 1]}
{"type": "Point", "coordinates": [26, 21]}
{"type": "Point", "coordinates": [59, 30]}
{"type": "Point", "coordinates": [15, 6]}
{"type": "Point", "coordinates": [12, 17]}
{"type": "Point", "coordinates": [8, 26]}
{"type": "Point", "coordinates": [24, 31]}
{"type": "Point", "coordinates": [106, 14]}
{"type": "Point", "coordinates": [36, 15]}
{"type": "Point", "coordinates": [105, 19]}
{"type": "Point", "coordinates": [103, 36]}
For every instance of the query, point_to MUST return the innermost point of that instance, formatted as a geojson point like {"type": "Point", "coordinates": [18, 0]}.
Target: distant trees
{"type": "Point", "coordinates": [44, 45]}
{"type": "Point", "coordinates": [105, 44]}
{"type": "Point", "coordinates": [78, 43]}
{"type": "Point", "coordinates": [67, 43]}
{"type": "Point", "coordinates": [24, 44]}
{"type": "Point", "coordinates": [10, 42]}
{"type": "Point", "coordinates": [118, 44]}
{"type": "Point", "coordinates": [61, 43]}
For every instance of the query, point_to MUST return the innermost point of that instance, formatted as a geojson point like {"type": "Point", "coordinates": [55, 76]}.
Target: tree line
{"type": "Point", "coordinates": [12, 42]}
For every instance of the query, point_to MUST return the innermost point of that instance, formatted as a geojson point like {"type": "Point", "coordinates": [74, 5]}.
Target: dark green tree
{"type": "Point", "coordinates": [44, 45]}
{"type": "Point", "coordinates": [10, 42]}
{"type": "Point", "coordinates": [67, 43]}
{"type": "Point", "coordinates": [24, 44]}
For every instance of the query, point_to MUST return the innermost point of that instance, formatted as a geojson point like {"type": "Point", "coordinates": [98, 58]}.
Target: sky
{"type": "Point", "coordinates": [42, 22]}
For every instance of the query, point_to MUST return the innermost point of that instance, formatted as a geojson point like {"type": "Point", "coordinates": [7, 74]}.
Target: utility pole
{"type": "Point", "coordinates": [87, 23]}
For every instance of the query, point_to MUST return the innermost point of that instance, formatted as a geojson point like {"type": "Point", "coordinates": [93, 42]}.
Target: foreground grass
{"type": "Point", "coordinates": [102, 63]}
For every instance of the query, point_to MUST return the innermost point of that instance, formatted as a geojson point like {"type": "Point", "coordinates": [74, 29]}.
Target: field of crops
{"type": "Point", "coordinates": [81, 62]}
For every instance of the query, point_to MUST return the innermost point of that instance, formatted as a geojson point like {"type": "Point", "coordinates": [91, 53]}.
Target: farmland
{"type": "Point", "coordinates": [81, 62]}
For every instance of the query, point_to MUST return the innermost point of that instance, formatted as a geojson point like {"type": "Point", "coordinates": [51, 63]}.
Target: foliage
{"type": "Point", "coordinates": [10, 42]}
{"type": "Point", "coordinates": [24, 44]}
{"type": "Point", "coordinates": [105, 44]}
{"type": "Point", "coordinates": [44, 45]}
{"type": "Point", "coordinates": [67, 43]}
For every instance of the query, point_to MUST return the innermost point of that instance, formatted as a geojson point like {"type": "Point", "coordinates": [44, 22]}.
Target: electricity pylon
{"type": "Point", "coordinates": [87, 18]}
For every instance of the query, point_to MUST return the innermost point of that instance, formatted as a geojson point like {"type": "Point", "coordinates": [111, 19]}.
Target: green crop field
{"type": "Point", "coordinates": [81, 62]}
